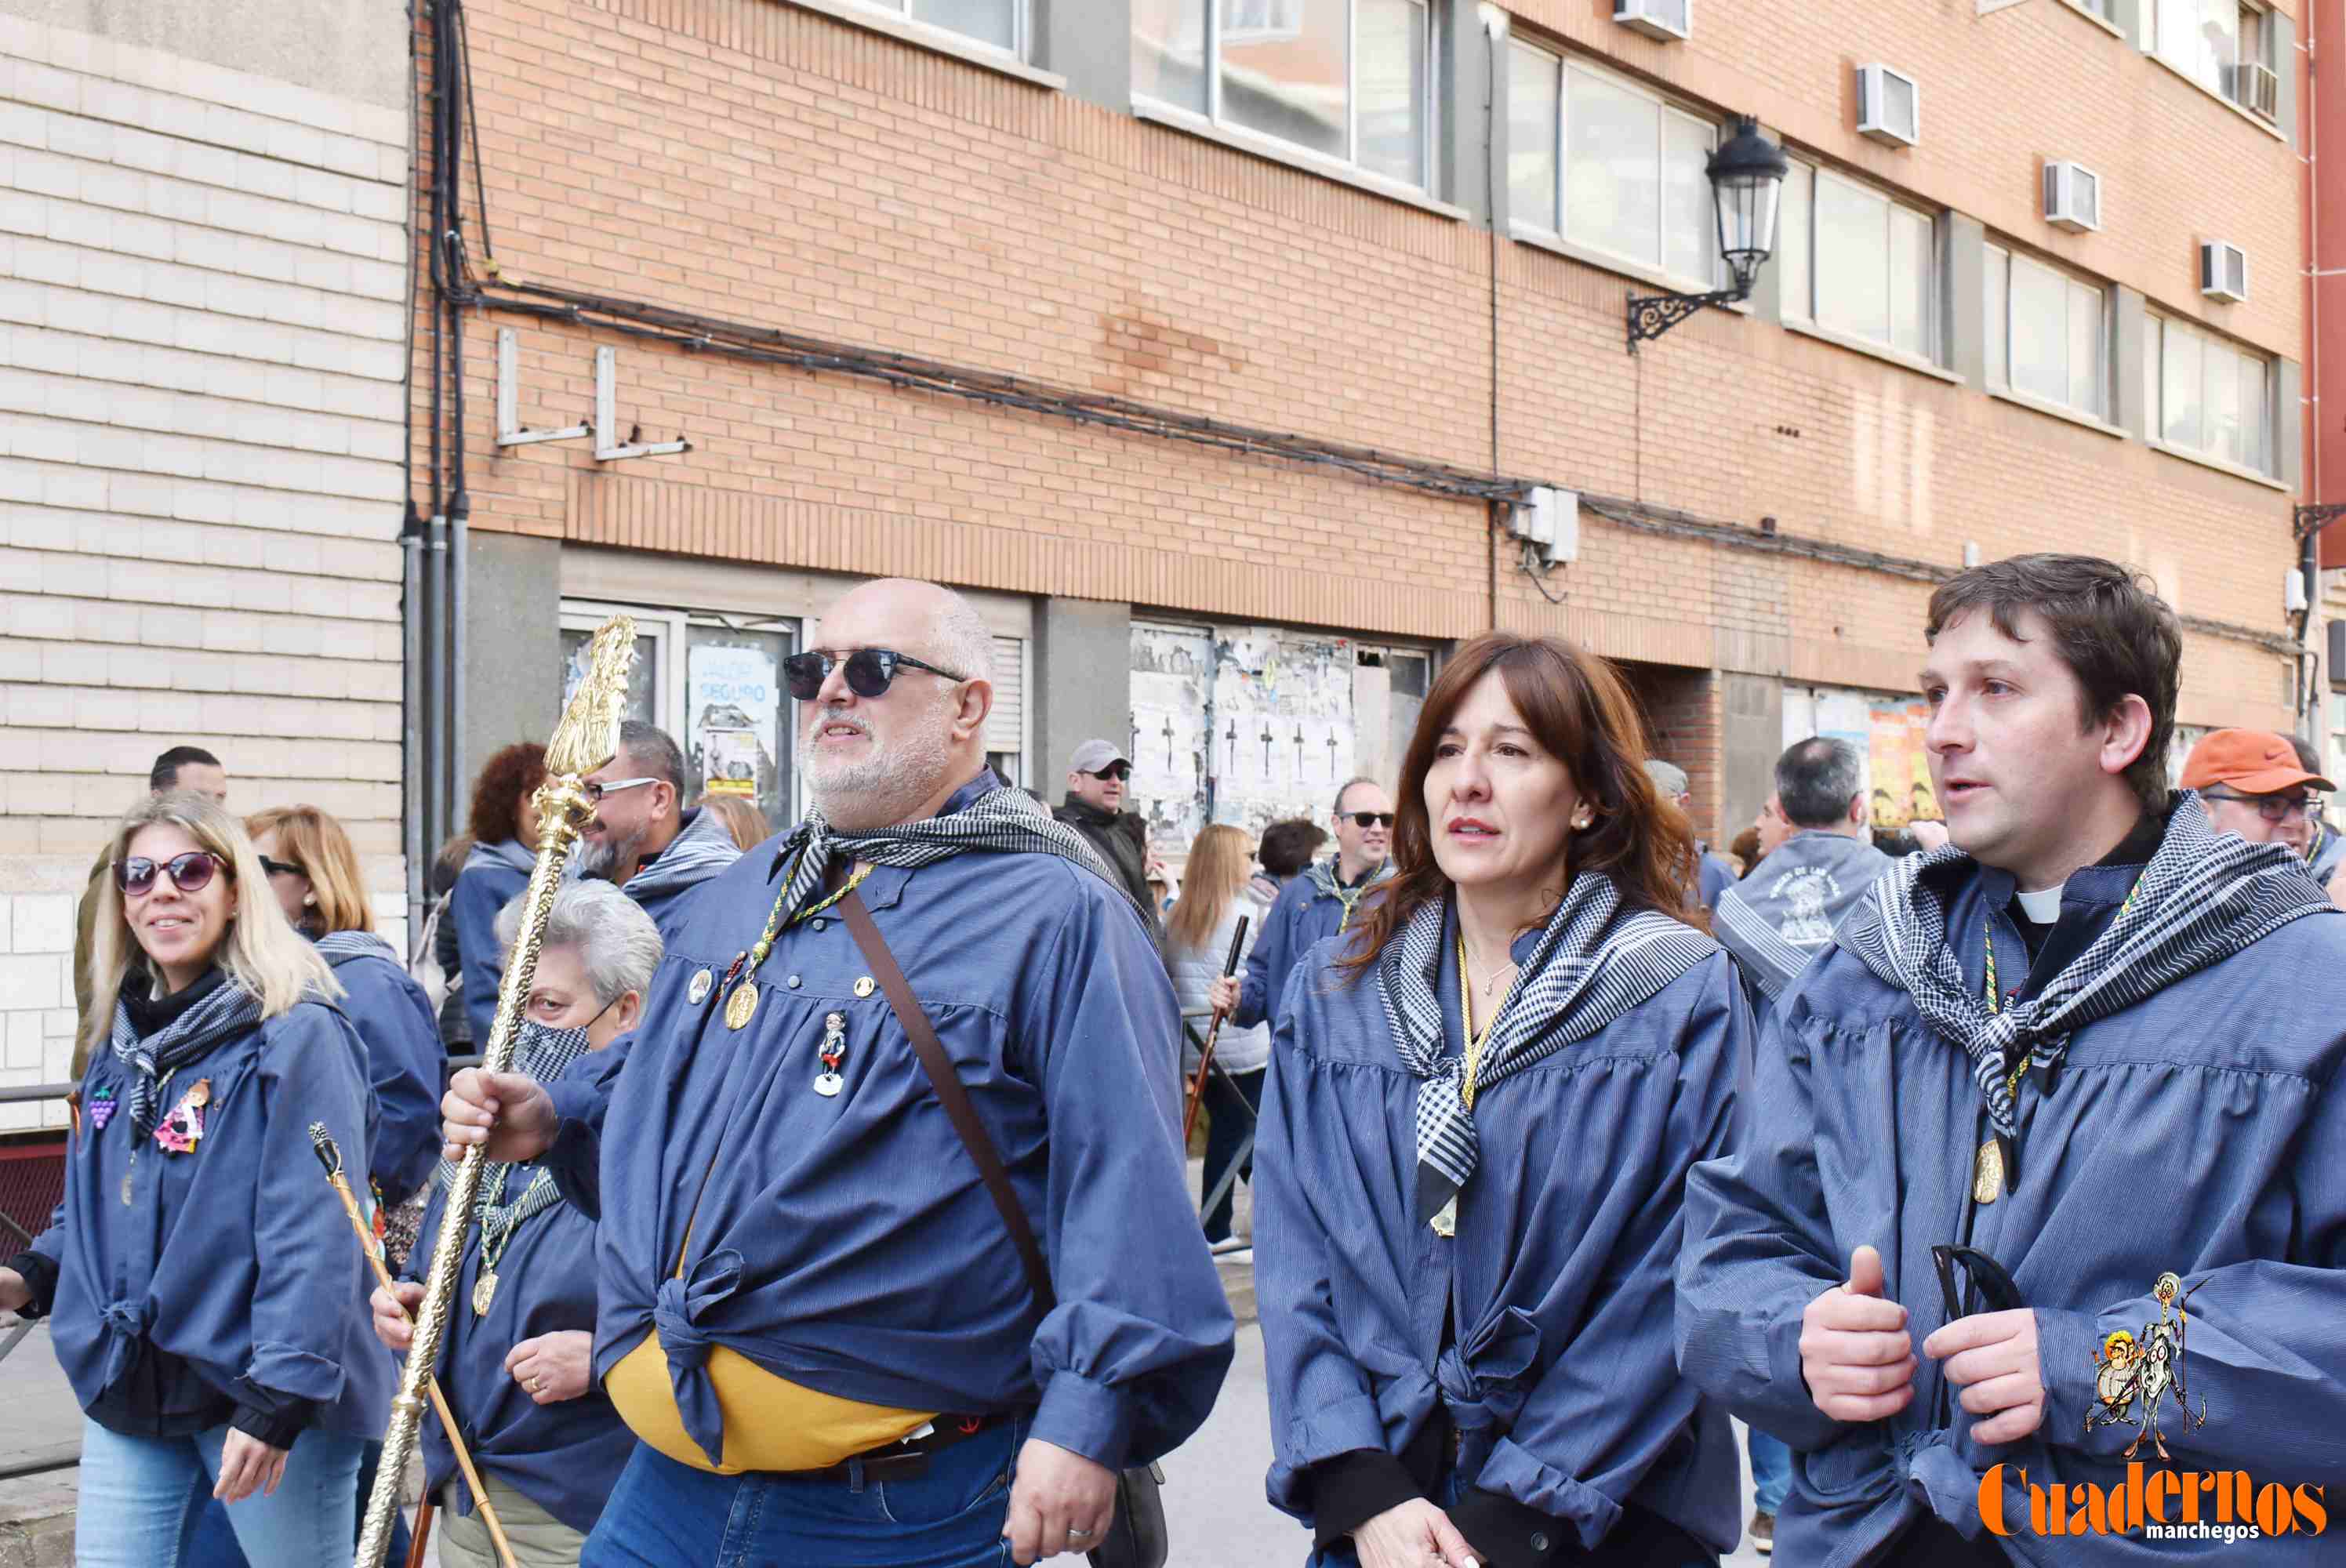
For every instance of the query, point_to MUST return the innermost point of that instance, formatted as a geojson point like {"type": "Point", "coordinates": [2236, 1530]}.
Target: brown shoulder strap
{"type": "Point", "coordinates": [950, 1093]}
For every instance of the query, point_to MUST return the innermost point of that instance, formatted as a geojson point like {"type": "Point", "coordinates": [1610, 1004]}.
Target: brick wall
{"type": "Point", "coordinates": [753, 160]}
{"type": "Point", "coordinates": [202, 284]}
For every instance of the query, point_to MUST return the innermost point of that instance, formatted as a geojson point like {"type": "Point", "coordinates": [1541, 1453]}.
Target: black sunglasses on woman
{"type": "Point", "coordinates": [191, 872]}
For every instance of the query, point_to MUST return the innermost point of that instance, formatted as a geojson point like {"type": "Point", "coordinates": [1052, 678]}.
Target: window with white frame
{"type": "Point", "coordinates": [1853, 261]}
{"type": "Point", "coordinates": [2211, 41]}
{"type": "Point", "coordinates": [1350, 81]}
{"type": "Point", "coordinates": [1609, 167]}
{"type": "Point", "coordinates": [1001, 23]}
{"type": "Point", "coordinates": [2047, 333]}
{"type": "Point", "coordinates": [2207, 394]}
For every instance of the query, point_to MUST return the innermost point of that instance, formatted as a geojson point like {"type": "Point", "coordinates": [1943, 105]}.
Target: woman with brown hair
{"type": "Point", "coordinates": [1482, 1104]}
{"type": "Point", "coordinates": [504, 828]}
{"type": "Point", "coordinates": [743, 822]}
{"type": "Point", "coordinates": [1215, 895]}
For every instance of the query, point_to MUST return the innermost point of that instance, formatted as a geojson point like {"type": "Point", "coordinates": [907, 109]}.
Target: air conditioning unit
{"type": "Point", "coordinates": [1664, 19]}
{"type": "Point", "coordinates": [2223, 271]}
{"type": "Point", "coordinates": [1889, 105]}
{"type": "Point", "coordinates": [2255, 87]}
{"type": "Point", "coordinates": [2073, 196]}
{"type": "Point", "coordinates": [1549, 521]}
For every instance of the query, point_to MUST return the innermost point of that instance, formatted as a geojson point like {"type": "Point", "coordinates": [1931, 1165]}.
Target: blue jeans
{"type": "Point", "coordinates": [1771, 1472]}
{"type": "Point", "coordinates": [214, 1542]}
{"type": "Point", "coordinates": [663, 1513]}
{"type": "Point", "coordinates": [141, 1497]}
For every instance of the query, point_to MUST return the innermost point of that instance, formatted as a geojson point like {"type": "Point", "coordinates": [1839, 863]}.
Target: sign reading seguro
{"type": "Point", "coordinates": [2165, 1505]}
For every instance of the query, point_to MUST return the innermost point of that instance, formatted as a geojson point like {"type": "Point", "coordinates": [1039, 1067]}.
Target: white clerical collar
{"type": "Point", "coordinates": [2042, 908]}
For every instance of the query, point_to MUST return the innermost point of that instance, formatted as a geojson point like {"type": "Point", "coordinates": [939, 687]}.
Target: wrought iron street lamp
{"type": "Point", "coordinates": [1747, 178]}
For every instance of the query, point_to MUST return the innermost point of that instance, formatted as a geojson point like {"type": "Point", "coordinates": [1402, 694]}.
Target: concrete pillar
{"type": "Point", "coordinates": [1089, 41]}
{"type": "Point", "coordinates": [513, 652]}
{"type": "Point", "coordinates": [1751, 736]}
{"type": "Point", "coordinates": [2129, 342]}
{"type": "Point", "coordinates": [1083, 681]}
{"type": "Point", "coordinates": [1963, 313]}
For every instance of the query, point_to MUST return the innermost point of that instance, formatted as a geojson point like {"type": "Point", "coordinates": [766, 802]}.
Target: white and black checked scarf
{"type": "Point", "coordinates": [228, 1011]}
{"type": "Point", "coordinates": [2203, 897]}
{"type": "Point", "coordinates": [701, 849]}
{"type": "Point", "coordinates": [544, 1054]}
{"type": "Point", "coordinates": [1322, 874]}
{"type": "Point", "coordinates": [1000, 821]}
{"type": "Point", "coordinates": [1593, 963]}
{"type": "Point", "coordinates": [339, 947]}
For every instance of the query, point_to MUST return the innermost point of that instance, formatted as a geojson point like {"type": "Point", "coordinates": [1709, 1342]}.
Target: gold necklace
{"type": "Point", "coordinates": [1475, 1042]}
{"type": "Point", "coordinates": [742, 1005]}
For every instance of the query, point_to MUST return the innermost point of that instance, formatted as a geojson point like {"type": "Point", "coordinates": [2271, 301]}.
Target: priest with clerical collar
{"type": "Point", "coordinates": [2049, 1082]}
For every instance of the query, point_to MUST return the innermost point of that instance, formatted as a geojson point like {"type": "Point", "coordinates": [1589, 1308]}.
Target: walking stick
{"type": "Point", "coordinates": [587, 738]}
{"type": "Point", "coordinates": [1206, 1055]}
{"type": "Point", "coordinates": [330, 1154]}
{"type": "Point", "coordinates": [419, 1549]}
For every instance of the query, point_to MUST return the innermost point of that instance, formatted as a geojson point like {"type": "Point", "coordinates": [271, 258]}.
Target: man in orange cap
{"type": "Point", "coordinates": [2251, 783]}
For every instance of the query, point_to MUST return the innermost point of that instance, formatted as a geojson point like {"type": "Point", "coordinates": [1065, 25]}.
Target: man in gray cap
{"type": "Point", "coordinates": [1095, 807]}
{"type": "Point", "coordinates": [1713, 875]}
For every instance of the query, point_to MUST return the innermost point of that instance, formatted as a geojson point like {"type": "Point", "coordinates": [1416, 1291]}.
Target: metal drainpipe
{"type": "Point", "coordinates": [412, 613]}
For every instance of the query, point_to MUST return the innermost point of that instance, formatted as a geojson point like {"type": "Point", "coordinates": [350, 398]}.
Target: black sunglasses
{"type": "Point", "coordinates": [1119, 772]}
{"type": "Point", "coordinates": [191, 872]}
{"type": "Point", "coordinates": [280, 868]}
{"type": "Point", "coordinates": [869, 671]}
{"type": "Point", "coordinates": [1370, 819]}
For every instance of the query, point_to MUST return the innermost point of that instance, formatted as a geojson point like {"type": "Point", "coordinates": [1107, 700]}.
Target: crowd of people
{"type": "Point", "coordinates": [838, 1211]}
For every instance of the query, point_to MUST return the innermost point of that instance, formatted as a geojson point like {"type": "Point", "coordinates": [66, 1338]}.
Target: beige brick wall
{"type": "Point", "coordinates": [202, 293]}
{"type": "Point", "coordinates": [754, 160]}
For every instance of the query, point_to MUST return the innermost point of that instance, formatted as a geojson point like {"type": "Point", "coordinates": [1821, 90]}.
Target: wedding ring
{"type": "Point", "coordinates": [1083, 1535]}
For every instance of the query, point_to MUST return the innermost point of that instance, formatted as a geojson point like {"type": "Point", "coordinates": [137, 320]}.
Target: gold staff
{"type": "Point", "coordinates": [587, 738]}
{"type": "Point", "coordinates": [330, 1154]}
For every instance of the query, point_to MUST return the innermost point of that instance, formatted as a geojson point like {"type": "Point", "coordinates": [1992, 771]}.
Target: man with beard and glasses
{"type": "Point", "coordinates": [812, 1314]}
{"type": "Point", "coordinates": [641, 839]}
{"type": "Point", "coordinates": [1325, 899]}
{"type": "Point", "coordinates": [2038, 1068]}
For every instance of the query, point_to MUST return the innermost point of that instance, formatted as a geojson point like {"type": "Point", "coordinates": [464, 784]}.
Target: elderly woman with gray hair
{"type": "Point", "coordinates": [515, 1362]}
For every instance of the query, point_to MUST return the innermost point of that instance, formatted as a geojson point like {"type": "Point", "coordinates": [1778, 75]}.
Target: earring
{"type": "Point", "coordinates": [308, 901]}
{"type": "Point", "coordinates": [1580, 822]}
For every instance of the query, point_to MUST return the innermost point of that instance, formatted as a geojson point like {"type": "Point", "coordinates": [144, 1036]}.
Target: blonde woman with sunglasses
{"type": "Point", "coordinates": [208, 1302]}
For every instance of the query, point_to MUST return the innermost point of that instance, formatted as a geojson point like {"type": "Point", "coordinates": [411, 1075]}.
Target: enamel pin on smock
{"type": "Point", "coordinates": [863, 986]}
{"type": "Point", "coordinates": [101, 1107]}
{"type": "Point", "coordinates": [834, 1051]}
{"type": "Point", "coordinates": [697, 991]}
{"type": "Point", "coordinates": [183, 1129]}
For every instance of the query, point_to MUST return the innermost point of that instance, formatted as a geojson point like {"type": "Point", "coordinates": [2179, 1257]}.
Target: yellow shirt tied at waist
{"type": "Point", "coordinates": [771, 1423]}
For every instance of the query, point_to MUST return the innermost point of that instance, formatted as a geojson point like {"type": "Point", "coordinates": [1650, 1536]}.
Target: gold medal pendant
{"type": "Point", "coordinates": [485, 1291]}
{"type": "Point", "coordinates": [1987, 1173]}
{"type": "Point", "coordinates": [741, 1005]}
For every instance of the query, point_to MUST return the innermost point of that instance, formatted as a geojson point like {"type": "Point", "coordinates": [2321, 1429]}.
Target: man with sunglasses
{"type": "Point", "coordinates": [641, 839]}
{"type": "Point", "coordinates": [2037, 1069]}
{"type": "Point", "coordinates": [1096, 775]}
{"type": "Point", "coordinates": [812, 1313]}
{"type": "Point", "coordinates": [2252, 783]}
{"type": "Point", "coordinates": [1321, 903]}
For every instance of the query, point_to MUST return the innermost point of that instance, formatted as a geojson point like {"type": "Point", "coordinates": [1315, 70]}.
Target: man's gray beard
{"type": "Point", "coordinates": [882, 788]}
{"type": "Point", "coordinates": [595, 857]}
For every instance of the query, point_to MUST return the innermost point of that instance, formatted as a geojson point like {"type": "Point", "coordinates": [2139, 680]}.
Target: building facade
{"type": "Point", "coordinates": [203, 315]}
{"type": "Point", "coordinates": [1196, 341]}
